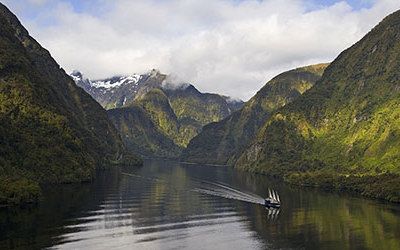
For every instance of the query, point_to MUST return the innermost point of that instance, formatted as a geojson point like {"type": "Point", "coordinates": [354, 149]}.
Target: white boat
{"type": "Point", "coordinates": [273, 199]}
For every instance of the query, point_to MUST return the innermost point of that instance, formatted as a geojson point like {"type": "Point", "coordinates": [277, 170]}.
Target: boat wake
{"type": "Point", "coordinates": [224, 191]}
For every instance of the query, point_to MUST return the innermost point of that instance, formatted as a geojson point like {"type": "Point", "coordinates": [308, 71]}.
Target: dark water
{"type": "Point", "coordinates": [166, 205]}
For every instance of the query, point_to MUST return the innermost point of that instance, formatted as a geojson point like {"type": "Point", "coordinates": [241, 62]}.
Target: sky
{"type": "Point", "coordinates": [230, 47]}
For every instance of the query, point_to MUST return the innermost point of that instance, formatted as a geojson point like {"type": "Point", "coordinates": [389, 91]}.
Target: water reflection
{"type": "Point", "coordinates": [42, 226]}
{"type": "Point", "coordinates": [156, 207]}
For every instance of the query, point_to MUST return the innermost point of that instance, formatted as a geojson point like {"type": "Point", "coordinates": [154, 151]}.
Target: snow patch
{"type": "Point", "coordinates": [124, 80]}
{"type": "Point", "coordinates": [75, 78]}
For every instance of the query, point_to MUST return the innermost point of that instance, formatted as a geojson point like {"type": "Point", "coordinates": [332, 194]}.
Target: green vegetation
{"type": "Point", "coordinates": [128, 160]}
{"type": "Point", "coordinates": [335, 127]}
{"type": "Point", "coordinates": [381, 186]}
{"type": "Point", "coordinates": [346, 125]}
{"type": "Point", "coordinates": [162, 120]}
{"type": "Point", "coordinates": [194, 110]}
{"type": "Point", "coordinates": [188, 103]}
{"type": "Point", "coordinates": [219, 142]}
{"type": "Point", "coordinates": [156, 104]}
{"type": "Point", "coordinates": [140, 134]}
{"type": "Point", "coordinates": [50, 130]}
{"type": "Point", "coordinates": [18, 191]}
{"type": "Point", "coordinates": [180, 113]}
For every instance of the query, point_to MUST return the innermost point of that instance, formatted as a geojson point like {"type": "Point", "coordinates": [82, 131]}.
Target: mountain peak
{"type": "Point", "coordinates": [117, 81]}
{"type": "Point", "coordinates": [76, 75]}
{"type": "Point", "coordinates": [154, 72]}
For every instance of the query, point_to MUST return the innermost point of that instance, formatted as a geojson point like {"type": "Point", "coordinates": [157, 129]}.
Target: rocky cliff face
{"type": "Point", "coordinates": [118, 91]}
{"type": "Point", "coordinates": [220, 142]}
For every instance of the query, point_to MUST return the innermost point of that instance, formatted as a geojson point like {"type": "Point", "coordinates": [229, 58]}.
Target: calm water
{"type": "Point", "coordinates": [166, 205]}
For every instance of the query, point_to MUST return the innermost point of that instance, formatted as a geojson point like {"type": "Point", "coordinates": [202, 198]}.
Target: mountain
{"type": "Point", "coordinates": [178, 111]}
{"type": "Point", "coordinates": [219, 142]}
{"type": "Point", "coordinates": [194, 110]}
{"type": "Point", "coordinates": [51, 131]}
{"type": "Point", "coordinates": [140, 134]}
{"type": "Point", "coordinates": [117, 91]}
{"type": "Point", "coordinates": [344, 133]}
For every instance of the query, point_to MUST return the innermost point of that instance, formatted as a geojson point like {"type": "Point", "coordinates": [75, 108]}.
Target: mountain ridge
{"type": "Point", "coordinates": [343, 133]}
{"type": "Point", "coordinates": [135, 85]}
{"type": "Point", "coordinates": [219, 142]}
{"type": "Point", "coordinates": [178, 111]}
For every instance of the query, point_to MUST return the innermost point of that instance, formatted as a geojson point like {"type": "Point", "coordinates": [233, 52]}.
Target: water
{"type": "Point", "coordinates": [166, 205]}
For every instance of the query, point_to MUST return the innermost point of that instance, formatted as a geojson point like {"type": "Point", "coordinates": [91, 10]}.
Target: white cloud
{"type": "Point", "coordinates": [37, 2]}
{"type": "Point", "coordinates": [222, 46]}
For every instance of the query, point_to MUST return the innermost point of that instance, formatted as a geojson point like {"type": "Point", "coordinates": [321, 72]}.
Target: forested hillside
{"type": "Point", "coordinates": [221, 142]}
{"type": "Point", "coordinates": [344, 133]}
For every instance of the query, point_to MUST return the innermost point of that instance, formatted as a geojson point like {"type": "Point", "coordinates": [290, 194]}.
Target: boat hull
{"type": "Point", "coordinates": [271, 204]}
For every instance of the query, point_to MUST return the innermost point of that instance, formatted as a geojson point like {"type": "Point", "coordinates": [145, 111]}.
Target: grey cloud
{"type": "Point", "coordinates": [218, 45]}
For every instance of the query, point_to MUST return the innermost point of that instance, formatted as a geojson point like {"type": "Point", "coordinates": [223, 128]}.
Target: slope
{"type": "Point", "coordinates": [178, 110]}
{"type": "Point", "coordinates": [140, 134]}
{"type": "Point", "coordinates": [346, 128]}
{"type": "Point", "coordinates": [50, 130]}
{"type": "Point", "coordinates": [219, 142]}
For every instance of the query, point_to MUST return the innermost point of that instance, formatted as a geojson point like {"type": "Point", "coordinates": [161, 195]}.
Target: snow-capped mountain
{"type": "Point", "coordinates": [117, 91]}
{"type": "Point", "coordinates": [176, 110]}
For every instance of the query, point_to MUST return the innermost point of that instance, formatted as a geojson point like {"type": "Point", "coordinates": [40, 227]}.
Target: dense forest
{"type": "Point", "coordinates": [221, 142]}
{"type": "Point", "coordinates": [51, 131]}
{"type": "Point", "coordinates": [344, 133]}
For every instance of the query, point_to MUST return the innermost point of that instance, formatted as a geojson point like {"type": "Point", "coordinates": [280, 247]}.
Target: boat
{"type": "Point", "coordinates": [273, 200]}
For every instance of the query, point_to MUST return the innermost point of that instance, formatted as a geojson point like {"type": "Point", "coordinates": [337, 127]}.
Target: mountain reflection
{"type": "Point", "coordinates": [156, 206]}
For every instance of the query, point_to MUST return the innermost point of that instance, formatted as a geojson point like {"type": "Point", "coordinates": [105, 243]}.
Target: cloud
{"type": "Point", "coordinates": [173, 81]}
{"type": "Point", "coordinates": [37, 2]}
{"type": "Point", "coordinates": [229, 47]}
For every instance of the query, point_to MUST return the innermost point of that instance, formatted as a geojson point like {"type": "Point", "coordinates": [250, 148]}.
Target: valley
{"type": "Point", "coordinates": [311, 160]}
{"type": "Point", "coordinates": [173, 112]}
